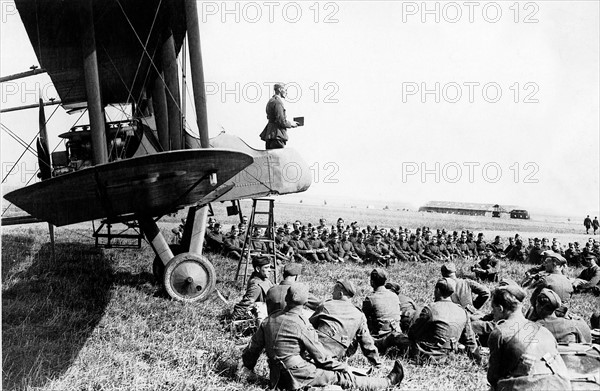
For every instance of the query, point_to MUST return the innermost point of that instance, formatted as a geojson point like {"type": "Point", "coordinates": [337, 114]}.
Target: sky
{"type": "Point", "coordinates": [490, 102]}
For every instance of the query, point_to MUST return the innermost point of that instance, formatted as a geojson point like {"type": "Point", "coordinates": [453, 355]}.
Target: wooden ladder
{"type": "Point", "coordinates": [246, 256]}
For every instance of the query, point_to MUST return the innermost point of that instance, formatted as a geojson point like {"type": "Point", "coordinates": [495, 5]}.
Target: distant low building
{"type": "Point", "coordinates": [467, 208]}
{"type": "Point", "coordinates": [519, 214]}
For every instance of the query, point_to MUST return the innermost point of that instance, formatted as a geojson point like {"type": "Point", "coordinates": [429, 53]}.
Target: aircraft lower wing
{"type": "Point", "coordinates": [150, 185]}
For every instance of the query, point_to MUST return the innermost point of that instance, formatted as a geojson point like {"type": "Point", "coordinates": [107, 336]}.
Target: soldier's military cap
{"type": "Point", "coordinates": [376, 233]}
{"type": "Point", "coordinates": [348, 287]}
{"type": "Point", "coordinates": [334, 234]}
{"type": "Point", "coordinates": [446, 286]}
{"type": "Point", "coordinates": [507, 281]}
{"type": "Point", "coordinates": [292, 269]}
{"type": "Point", "coordinates": [379, 276]}
{"type": "Point", "coordinates": [448, 268]}
{"type": "Point", "coordinates": [394, 287]}
{"type": "Point", "coordinates": [515, 290]}
{"type": "Point", "coordinates": [280, 229]}
{"type": "Point", "coordinates": [217, 225]}
{"type": "Point", "coordinates": [552, 254]}
{"type": "Point", "coordinates": [297, 294]}
{"type": "Point", "coordinates": [260, 261]}
{"type": "Point", "coordinates": [536, 240]}
{"type": "Point", "coordinates": [549, 299]}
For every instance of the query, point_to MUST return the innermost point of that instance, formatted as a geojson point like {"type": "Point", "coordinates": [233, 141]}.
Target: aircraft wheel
{"type": "Point", "coordinates": [189, 277]}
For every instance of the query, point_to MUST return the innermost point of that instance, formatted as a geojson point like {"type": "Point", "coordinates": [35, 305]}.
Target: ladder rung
{"type": "Point", "coordinates": [262, 213]}
{"type": "Point", "coordinates": [262, 240]}
{"type": "Point", "coordinates": [261, 226]}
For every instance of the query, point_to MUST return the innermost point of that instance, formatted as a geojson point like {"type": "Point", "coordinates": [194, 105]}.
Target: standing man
{"type": "Point", "coordinates": [275, 133]}
{"type": "Point", "coordinates": [587, 223]}
{"type": "Point", "coordinates": [595, 224]}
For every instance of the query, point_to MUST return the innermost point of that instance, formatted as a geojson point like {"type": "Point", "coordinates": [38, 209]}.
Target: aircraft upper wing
{"type": "Point", "coordinates": [123, 28]}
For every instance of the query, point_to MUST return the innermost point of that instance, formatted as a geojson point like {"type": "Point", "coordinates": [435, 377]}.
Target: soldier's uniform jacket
{"type": "Point", "coordinates": [535, 256]}
{"type": "Point", "coordinates": [278, 123]}
{"type": "Point", "coordinates": [567, 329]}
{"type": "Point", "coordinates": [335, 249]}
{"type": "Point", "coordinates": [233, 243]}
{"type": "Point", "coordinates": [439, 328]}
{"type": "Point", "coordinates": [214, 241]}
{"type": "Point", "coordinates": [287, 337]}
{"type": "Point", "coordinates": [432, 250]}
{"type": "Point", "coordinates": [382, 310]}
{"type": "Point", "coordinates": [348, 249]}
{"type": "Point", "coordinates": [299, 245]}
{"type": "Point", "coordinates": [256, 291]}
{"type": "Point", "coordinates": [463, 249]}
{"type": "Point", "coordinates": [496, 247]}
{"type": "Point", "coordinates": [490, 267]}
{"type": "Point", "coordinates": [522, 353]}
{"type": "Point", "coordinates": [276, 297]}
{"type": "Point", "coordinates": [360, 249]}
{"type": "Point", "coordinates": [480, 246]}
{"type": "Point", "coordinates": [590, 274]}
{"type": "Point", "coordinates": [376, 251]}
{"type": "Point", "coordinates": [472, 246]}
{"type": "Point", "coordinates": [341, 326]}
{"type": "Point", "coordinates": [463, 294]}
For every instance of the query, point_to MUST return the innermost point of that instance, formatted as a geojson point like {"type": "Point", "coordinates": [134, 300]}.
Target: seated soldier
{"type": "Point", "coordinates": [342, 327]}
{"type": "Point", "coordinates": [522, 360]}
{"type": "Point", "coordinates": [488, 267]}
{"type": "Point", "coordinates": [360, 247]}
{"type": "Point", "coordinates": [301, 252]}
{"type": "Point", "coordinates": [408, 308]}
{"type": "Point", "coordinates": [553, 279]}
{"type": "Point", "coordinates": [256, 291]}
{"type": "Point", "coordinates": [565, 329]}
{"type": "Point", "coordinates": [382, 309]}
{"type": "Point", "coordinates": [348, 247]}
{"type": "Point", "coordinates": [214, 239]}
{"type": "Point", "coordinates": [589, 278]}
{"type": "Point", "coordinates": [297, 359]}
{"type": "Point", "coordinates": [335, 250]}
{"type": "Point", "coordinates": [483, 326]}
{"type": "Point", "coordinates": [320, 247]}
{"type": "Point", "coordinates": [441, 326]}
{"type": "Point", "coordinates": [465, 290]}
{"type": "Point", "coordinates": [276, 294]}
{"type": "Point", "coordinates": [232, 244]}
{"type": "Point", "coordinates": [379, 253]}
{"type": "Point", "coordinates": [496, 246]}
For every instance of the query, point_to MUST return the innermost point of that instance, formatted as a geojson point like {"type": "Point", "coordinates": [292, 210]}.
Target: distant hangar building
{"type": "Point", "coordinates": [475, 209]}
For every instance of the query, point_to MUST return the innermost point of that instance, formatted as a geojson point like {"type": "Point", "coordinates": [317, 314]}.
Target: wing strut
{"type": "Point", "coordinates": [92, 83]}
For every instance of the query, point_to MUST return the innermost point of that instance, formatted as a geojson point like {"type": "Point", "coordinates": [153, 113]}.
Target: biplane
{"type": "Point", "coordinates": [103, 52]}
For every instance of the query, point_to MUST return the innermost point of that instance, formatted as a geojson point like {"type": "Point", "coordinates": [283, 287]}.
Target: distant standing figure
{"type": "Point", "coordinates": [275, 133]}
{"type": "Point", "coordinates": [587, 223]}
{"type": "Point", "coordinates": [595, 224]}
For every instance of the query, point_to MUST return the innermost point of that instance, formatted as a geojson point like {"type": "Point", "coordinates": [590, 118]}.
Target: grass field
{"type": "Point", "coordinates": [94, 319]}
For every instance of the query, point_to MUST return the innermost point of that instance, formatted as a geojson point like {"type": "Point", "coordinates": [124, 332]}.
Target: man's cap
{"type": "Point", "coordinates": [297, 294]}
{"type": "Point", "coordinates": [376, 233]}
{"type": "Point", "coordinates": [504, 281]}
{"type": "Point", "coordinates": [379, 276]}
{"type": "Point", "coordinates": [334, 234]}
{"type": "Point", "coordinates": [348, 287]}
{"type": "Point", "coordinates": [280, 229]}
{"type": "Point", "coordinates": [211, 220]}
{"type": "Point", "coordinates": [552, 254]}
{"type": "Point", "coordinates": [515, 290]}
{"type": "Point", "coordinates": [279, 86]}
{"type": "Point", "coordinates": [548, 299]}
{"type": "Point", "coordinates": [536, 240]}
{"type": "Point", "coordinates": [448, 268]}
{"type": "Point", "coordinates": [292, 269]}
{"type": "Point", "coordinates": [217, 225]}
{"type": "Point", "coordinates": [394, 287]}
{"type": "Point", "coordinates": [260, 261]}
{"type": "Point", "coordinates": [446, 286]}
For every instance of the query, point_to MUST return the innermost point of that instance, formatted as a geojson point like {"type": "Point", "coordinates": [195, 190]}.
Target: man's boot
{"type": "Point", "coordinates": [397, 373]}
{"type": "Point", "coordinates": [380, 383]}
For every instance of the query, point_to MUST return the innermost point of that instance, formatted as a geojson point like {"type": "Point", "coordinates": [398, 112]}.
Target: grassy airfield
{"type": "Point", "coordinates": [95, 320]}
